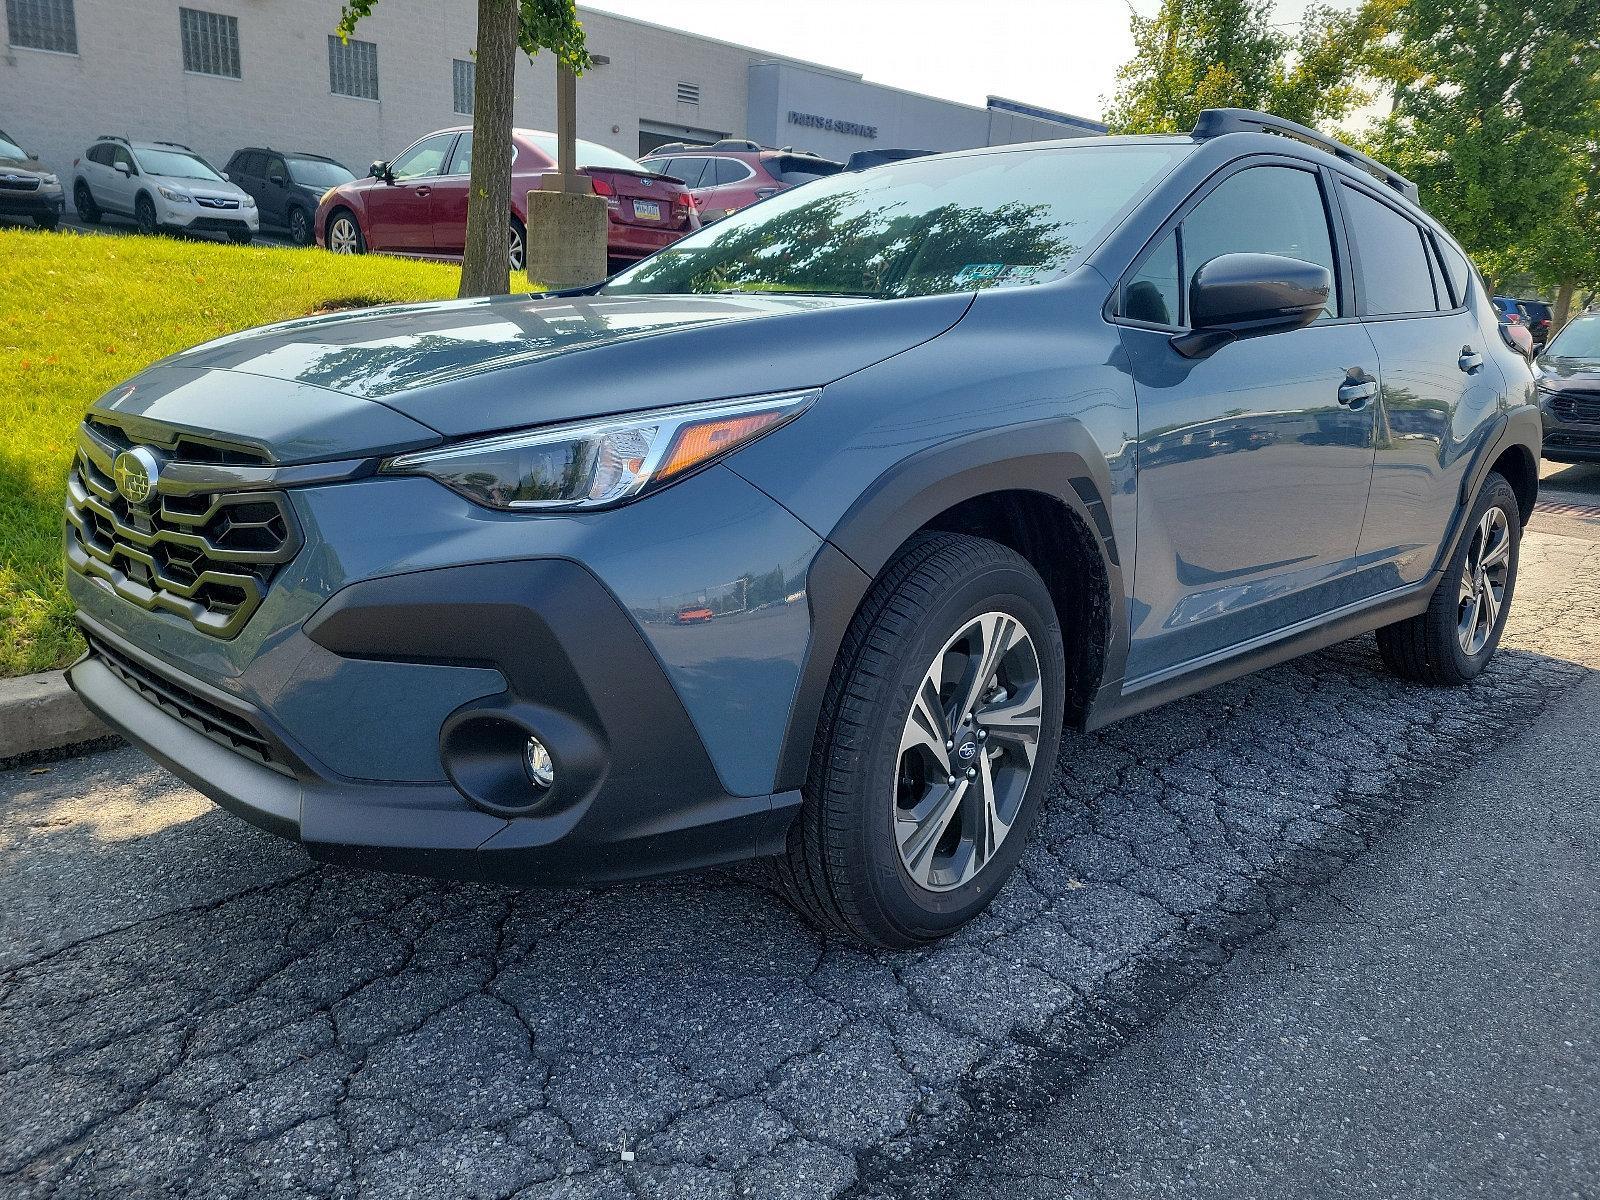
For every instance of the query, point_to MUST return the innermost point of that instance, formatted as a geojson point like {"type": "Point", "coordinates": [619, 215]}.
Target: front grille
{"type": "Point", "coordinates": [215, 202]}
{"type": "Point", "coordinates": [207, 557]}
{"type": "Point", "coordinates": [19, 183]}
{"type": "Point", "coordinates": [217, 225]}
{"type": "Point", "coordinates": [1583, 407]}
{"type": "Point", "coordinates": [227, 728]}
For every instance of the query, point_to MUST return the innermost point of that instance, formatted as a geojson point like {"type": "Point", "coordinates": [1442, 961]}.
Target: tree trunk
{"type": "Point", "coordinates": [1563, 308]}
{"type": "Point", "coordinates": [483, 268]}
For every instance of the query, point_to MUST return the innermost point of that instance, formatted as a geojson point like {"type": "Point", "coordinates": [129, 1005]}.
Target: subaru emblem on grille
{"type": "Point", "coordinates": [135, 473]}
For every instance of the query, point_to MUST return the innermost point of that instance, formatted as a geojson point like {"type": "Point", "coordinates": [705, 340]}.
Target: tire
{"type": "Point", "coordinates": [860, 860]}
{"type": "Point", "coordinates": [517, 247]}
{"type": "Point", "coordinates": [344, 233]}
{"type": "Point", "coordinates": [1437, 646]}
{"type": "Point", "coordinates": [83, 201]}
{"type": "Point", "coordinates": [47, 220]}
{"type": "Point", "coordinates": [300, 227]}
{"type": "Point", "coordinates": [144, 213]}
{"type": "Point", "coordinates": [240, 237]}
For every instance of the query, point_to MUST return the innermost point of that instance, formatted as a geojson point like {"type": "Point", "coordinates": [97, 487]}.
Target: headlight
{"type": "Point", "coordinates": [590, 464]}
{"type": "Point", "coordinates": [248, 201]}
{"type": "Point", "coordinates": [174, 194]}
{"type": "Point", "coordinates": [49, 181]}
{"type": "Point", "coordinates": [328, 193]}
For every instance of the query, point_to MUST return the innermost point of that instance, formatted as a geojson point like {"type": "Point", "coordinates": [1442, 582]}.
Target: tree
{"type": "Point", "coordinates": [504, 27]}
{"type": "Point", "coordinates": [1497, 119]}
{"type": "Point", "coordinates": [1197, 54]}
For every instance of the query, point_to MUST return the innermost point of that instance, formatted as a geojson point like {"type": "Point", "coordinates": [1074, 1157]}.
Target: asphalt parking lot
{"type": "Point", "coordinates": [188, 1005]}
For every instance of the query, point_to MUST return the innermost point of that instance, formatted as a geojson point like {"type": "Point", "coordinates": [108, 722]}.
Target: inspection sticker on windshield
{"type": "Point", "coordinates": [977, 273]}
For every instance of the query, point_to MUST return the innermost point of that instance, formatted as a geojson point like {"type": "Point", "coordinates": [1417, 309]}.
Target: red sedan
{"type": "Point", "coordinates": [417, 204]}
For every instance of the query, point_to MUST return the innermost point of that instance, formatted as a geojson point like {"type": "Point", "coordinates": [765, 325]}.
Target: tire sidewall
{"type": "Point", "coordinates": [919, 913]}
{"type": "Point", "coordinates": [1496, 493]}
{"type": "Point", "coordinates": [299, 233]}
{"type": "Point", "coordinates": [142, 206]}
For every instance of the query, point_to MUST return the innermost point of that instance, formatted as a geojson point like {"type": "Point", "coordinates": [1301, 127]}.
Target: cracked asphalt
{"type": "Point", "coordinates": [189, 1006]}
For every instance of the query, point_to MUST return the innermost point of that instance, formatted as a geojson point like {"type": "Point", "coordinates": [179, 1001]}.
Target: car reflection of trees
{"type": "Point", "coordinates": [747, 594]}
{"type": "Point", "coordinates": [835, 246]}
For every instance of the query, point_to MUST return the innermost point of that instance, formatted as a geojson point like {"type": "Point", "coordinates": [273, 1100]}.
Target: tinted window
{"type": "Point", "coordinates": [915, 228]}
{"type": "Point", "coordinates": [121, 154]}
{"type": "Point", "coordinates": [1260, 210]}
{"type": "Point", "coordinates": [276, 168]}
{"type": "Point", "coordinates": [590, 154]}
{"type": "Point", "coordinates": [250, 164]}
{"type": "Point", "coordinates": [425, 158]}
{"type": "Point", "coordinates": [1459, 270]}
{"type": "Point", "coordinates": [1152, 293]}
{"type": "Point", "coordinates": [1395, 276]}
{"type": "Point", "coordinates": [689, 170]}
{"type": "Point", "coordinates": [101, 154]}
{"type": "Point", "coordinates": [316, 172]}
{"type": "Point", "coordinates": [729, 170]}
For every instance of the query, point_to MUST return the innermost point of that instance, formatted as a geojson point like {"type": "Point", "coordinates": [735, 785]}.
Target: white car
{"type": "Point", "coordinates": [161, 185]}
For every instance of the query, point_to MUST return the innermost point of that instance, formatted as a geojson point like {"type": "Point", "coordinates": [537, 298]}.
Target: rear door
{"type": "Point", "coordinates": [400, 214]}
{"type": "Point", "coordinates": [450, 192]}
{"type": "Point", "coordinates": [1254, 463]}
{"type": "Point", "coordinates": [275, 189]}
{"type": "Point", "coordinates": [726, 186]}
{"type": "Point", "coordinates": [1441, 392]}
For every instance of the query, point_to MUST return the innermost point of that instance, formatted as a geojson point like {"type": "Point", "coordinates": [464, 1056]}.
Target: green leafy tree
{"type": "Point", "coordinates": [504, 27]}
{"type": "Point", "coordinates": [1497, 119]}
{"type": "Point", "coordinates": [1198, 54]}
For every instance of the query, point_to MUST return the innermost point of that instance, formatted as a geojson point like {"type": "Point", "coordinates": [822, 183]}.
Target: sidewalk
{"type": "Point", "coordinates": [1426, 1025]}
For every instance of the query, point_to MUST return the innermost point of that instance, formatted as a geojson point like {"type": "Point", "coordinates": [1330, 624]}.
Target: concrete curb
{"type": "Point", "coordinates": [40, 713]}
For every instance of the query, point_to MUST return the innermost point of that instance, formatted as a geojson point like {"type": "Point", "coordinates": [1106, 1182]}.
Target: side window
{"type": "Point", "coordinates": [275, 168]}
{"type": "Point", "coordinates": [1152, 295]}
{"type": "Point", "coordinates": [121, 154]}
{"type": "Point", "coordinates": [101, 154]}
{"type": "Point", "coordinates": [461, 157]}
{"type": "Point", "coordinates": [729, 170]}
{"type": "Point", "coordinates": [1457, 269]}
{"type": "Point", "coordinates": [1391, 260]}
{"type": "Point", "coordinates": [250, 165]}
{"type": "Point", "coordinates": [423, 159]}
{"type": "Point", "coordinates": [1261, 210]}
{"type": "Point", "coordinates": [690, 170]}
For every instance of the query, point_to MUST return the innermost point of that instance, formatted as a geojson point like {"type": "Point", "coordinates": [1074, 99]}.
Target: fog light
{"type": "Point", "coordinates": [537, 761]}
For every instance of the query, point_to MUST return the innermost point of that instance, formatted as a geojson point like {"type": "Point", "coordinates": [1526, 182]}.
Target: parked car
{"type": "Point", "coordinates": [287, 187]}
{"type": "Point", "coordinates": [162, 186]}
{"type": "Point", "coordinates": [418, 203]}
{"type": "Point", "coordinates": [425, 587]}
{"type": "Point", "coordinates": [861, 160]}
{"type": "Point", "coordinates": [26, 188]}
{"type": "Point", "coordinates": [1567, 375]}
{"type": "Point", "coordinates": [1536, 316]}
{"type": "Point", "coordinates": [734, 173]}
{"type": "Point", "coordinates": [1510, 311]}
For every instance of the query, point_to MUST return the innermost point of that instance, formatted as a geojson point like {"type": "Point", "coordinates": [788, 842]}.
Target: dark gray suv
{"type": "Point", "coordinates": [804, 538]}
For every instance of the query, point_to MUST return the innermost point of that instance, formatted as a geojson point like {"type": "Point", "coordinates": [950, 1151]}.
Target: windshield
{"type": "Point", "coordinates": [914, 228]}
{"type": "Point", "coordinates": [589, 153]}
{"type": "Point", "coordinates": [315, 173]}
{"type": "Point", "coordinates": [175, 164]}
{"type": "Point", "coordinates": [9, 149]}
{"type": "Point", "coordinates": [1580, 339]}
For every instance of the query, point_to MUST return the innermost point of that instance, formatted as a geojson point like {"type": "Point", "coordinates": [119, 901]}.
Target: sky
{"type": "Point", "coordinates": [1062, 54]}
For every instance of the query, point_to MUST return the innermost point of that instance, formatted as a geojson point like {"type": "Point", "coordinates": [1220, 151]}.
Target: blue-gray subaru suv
{"type": "Point", "coordinates": [804, 538]}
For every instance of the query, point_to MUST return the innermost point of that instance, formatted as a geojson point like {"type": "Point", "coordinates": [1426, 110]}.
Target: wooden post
{"type": "Point", "coordinates": [567, 128]}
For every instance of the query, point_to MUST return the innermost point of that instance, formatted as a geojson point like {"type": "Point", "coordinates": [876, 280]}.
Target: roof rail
{"type": "Point", "coordinates": [675, 148]}
{"type": "Point", "coordinates": [174, 145]}
{"type": "Point", "coordinates": [1214, 122]}
{"type": "Point", "coordinates": [112, 137]}
{"type": "Point", "coordinates": [735, 144]}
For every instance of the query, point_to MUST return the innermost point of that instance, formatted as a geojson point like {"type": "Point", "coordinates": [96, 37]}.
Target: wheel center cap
{"type": "Point", "coordinates": [967, 750]}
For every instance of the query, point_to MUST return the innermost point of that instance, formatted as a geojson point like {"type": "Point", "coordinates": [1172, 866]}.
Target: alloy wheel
{"type": "Point", "coordinates": [343, 237]}
{"type": "Point", "coordinates": [1483, 581]}
{"type": "Point", "coordinates": [967, 752]}
{"type": "Point", "coordinates": [514, 253]}
{"type": "Point", "coordinates": [299, 227]}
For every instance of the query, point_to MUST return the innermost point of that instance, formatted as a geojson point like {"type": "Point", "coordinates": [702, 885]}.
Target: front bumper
{"type": "Point", "coordinates": [41, 202]}
{"type": "Point", "coordinates": [1573, 434]}
{"type": "Point", "coordinates": [636, 794]}
{"type": "Point", "coordinates": [197, 219]}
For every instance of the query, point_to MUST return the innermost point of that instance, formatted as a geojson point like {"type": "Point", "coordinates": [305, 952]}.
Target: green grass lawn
{"type": "Point", "coordinates": [78, 314]}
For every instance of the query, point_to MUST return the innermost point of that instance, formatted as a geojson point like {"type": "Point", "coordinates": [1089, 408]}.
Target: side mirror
{"type": "Point", "coordinates": [1235, 296]}
{"type": "Point", "coordinates": [123, 167]}
{"type": "Point", "coordinates": [279, 180]}
{"type": "Point", "coordinates": [380, 170]}
{"type": "Point", "coordinates": [33, 156]}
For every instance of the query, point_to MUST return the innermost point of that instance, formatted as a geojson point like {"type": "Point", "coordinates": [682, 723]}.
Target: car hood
{"type": "Point", "coordinates": [220, 189]}
{"type": "Point", "coordinates": [1559, 370]}
{"type": "Point", "coordinates": [464, 367]}
{"type": "Point", "coordinates": [21, 166]}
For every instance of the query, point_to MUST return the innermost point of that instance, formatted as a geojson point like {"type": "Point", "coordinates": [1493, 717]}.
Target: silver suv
{"type": "Point", "coordinates": [161, 185]}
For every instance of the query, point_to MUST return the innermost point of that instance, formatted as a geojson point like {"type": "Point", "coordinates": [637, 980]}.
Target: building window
{"type": "Point", "coordinates": [353, 68]}
{"type": "Point", "coordinates": [688, 93]}
{"type": "Point", "coordinates": [42, 25]}
{"type": "Point", "coordinates": [463, 78]}
{"type": "Point", "coordinates": [210, 42]}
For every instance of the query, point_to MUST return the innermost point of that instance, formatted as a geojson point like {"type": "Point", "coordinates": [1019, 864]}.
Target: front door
{"type": "Point", "coordinates": [400, 214]}
{"type": "Point", "coordinates": [1254, 464]}
{"type": "Point", "coordinates": [450, 192]}
{"type": "Point", "coordinates": [120, 185]}
{"type": "Point", "coordinates": [275, 191]}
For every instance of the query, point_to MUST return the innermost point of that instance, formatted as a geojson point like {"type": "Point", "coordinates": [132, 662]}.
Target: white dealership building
{"type": "Point", "coordinates": [269, 73]}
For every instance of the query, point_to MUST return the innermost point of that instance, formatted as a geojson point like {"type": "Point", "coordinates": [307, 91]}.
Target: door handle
{"type": "Point", "coordinates": [1357, 391]}
{"type": "Point", "coordinates": [424, 191]}
{"type": "Point", "coordinates": [1470, 360]}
